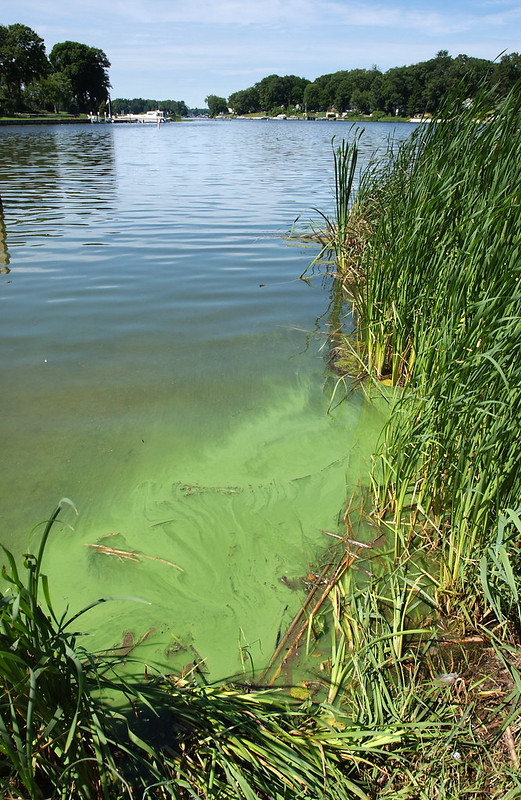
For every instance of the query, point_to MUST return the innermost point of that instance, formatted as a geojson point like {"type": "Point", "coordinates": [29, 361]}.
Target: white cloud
{"type": "Point", "coordinates": [440, 17]}
{"type": "Point", "coordinates": [169, 48]}
{"type": "Point", "coordinates": [123, 17]}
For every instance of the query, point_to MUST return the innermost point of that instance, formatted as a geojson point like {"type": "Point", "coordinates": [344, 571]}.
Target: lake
{"type": "Point", "coordinates": [165, 369]}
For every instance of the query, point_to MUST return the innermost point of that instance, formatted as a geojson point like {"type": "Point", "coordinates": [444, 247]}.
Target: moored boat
{"type": "Point", "coordinates": [148, 116]}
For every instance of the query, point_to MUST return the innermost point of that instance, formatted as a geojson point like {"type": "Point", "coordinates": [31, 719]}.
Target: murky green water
{"type": "Point", "coordinates": [164, 368]}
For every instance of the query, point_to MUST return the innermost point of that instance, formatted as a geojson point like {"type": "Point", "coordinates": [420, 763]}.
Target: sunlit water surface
{"type": "Point", "coordinates": [164, 368]}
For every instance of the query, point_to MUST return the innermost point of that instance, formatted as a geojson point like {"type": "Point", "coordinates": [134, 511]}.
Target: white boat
{"type": "Point", "coordinates": [148, 116]}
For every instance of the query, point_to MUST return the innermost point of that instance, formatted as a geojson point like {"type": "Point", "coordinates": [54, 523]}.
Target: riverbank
{"type": "Point", "coordinates": [319, 117]}
{"type": "Point", "coordinates": [430, 628]}
{"type": "Point", "coordinates": [322, 116]}
{"type": "Point", "coordinates": [416, 685]}
{"type": "Point", "coordinates": [44, 120]}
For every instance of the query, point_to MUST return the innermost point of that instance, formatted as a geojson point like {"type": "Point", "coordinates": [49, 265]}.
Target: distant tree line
{"type": "Point", "coordinates": [403, 91]}
{"type": "Point", "coordinates": [73, 78]}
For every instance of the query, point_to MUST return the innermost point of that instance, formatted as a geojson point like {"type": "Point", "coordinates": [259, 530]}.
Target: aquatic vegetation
{"type": "Point", "coordinates": [435, 292]}
{"type": "Point", "coordinates": [72, 726]}
{"type": "Point", "coordinates": [417, 692]}
{"type": "Point", "coordinates": [337, 235]}
{"type": "Point", "coordinates": [53, 733]}
{"type": "Point", "coordinates": [439, 316]}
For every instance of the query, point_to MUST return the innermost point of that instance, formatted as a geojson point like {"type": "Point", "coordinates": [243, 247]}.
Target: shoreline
{"type": "Point", "coordinates": [45, 121]}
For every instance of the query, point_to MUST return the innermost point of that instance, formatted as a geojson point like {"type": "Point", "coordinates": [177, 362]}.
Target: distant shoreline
{"type": "Point", "coordinates": [45, 121]}
{"type": "Point", "coordinates": [87, 121]}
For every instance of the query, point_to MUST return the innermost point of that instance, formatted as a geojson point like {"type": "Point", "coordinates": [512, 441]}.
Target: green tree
{"type": "Point", "coordinates": [53, 92]}
{"type": "Point", "coordinates": [271, 92]}
{"type": "Point", "coordinates": [434, 79]}
{"type": "Point", "coordinates": [22, 60]}
{"type": "Point", "coordinates": [298, 87]}
{"type": "Point", "coordinates": [177, 107]}
{"type": "Point", "coordinates": [361, 100]}
{"type": "Point", "coordinates": [138, 105]}
{"type": "Point", "coordinates": [336, 90]}
{"type": "Point", "coordinates": [276, 91]}
{"type": "Point", "coordinates": [506, 72]}
{"type": "Point", "coordinates": [472, 72]}
{"type": "Point", "coordinates": [245, 101]}
{"type": "Point", "coordinates": [86, 68]}
{"type": "Point", "coordinates": [405, 90]}
{"type": "Point", "coordinates": [343, 90]}
{"type": "Point", "coordinates": [377, 99]}
{"type": "Point", "coordinates": [216, 105]}
{"type": "Point", "coordinates": [315, 97]}
{"type": "Point", "coordinates": [395, 90]}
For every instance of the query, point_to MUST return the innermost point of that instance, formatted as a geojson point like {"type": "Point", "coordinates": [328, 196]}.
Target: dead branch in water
{"type": "Point", "coordinates": [130, 555]}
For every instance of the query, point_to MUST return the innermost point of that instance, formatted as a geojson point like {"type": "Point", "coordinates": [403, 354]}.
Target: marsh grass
{"type": "Point", "coordinates": [337, 234]}
{"type": "Point", "coordinates": [436, 293]}
{"type": "Point", "coordinates": [395, 664]}
{"type": "Point", "coordinates": [53, 734]}
{"type": "Point", "coordinates": [72, 727]}
{"type": "Point", "coordinates": [438, 308]}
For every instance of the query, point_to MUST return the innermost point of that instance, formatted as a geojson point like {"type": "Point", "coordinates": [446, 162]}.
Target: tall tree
{"type": "Point", "coordinates": [22, 60]}
{"type": "Point", "coordinates": [395, 90]}
{"type": "Point", "coordinates": [245, 101]}
{"type": "Point", "coordinates": [278, 91]}
{"type": "Point", "coordinates": [86, 68]}
{"type": "Point", "coordinates": [315, 96]}
{"type": "Point", "coordinates": [507, 72]}
{"type": "Point", "coordinates": [415, 89]}
{"type": "Point", "coordinates": [216, 105]}
{"type": "Point", "coordinates": [53, 92]}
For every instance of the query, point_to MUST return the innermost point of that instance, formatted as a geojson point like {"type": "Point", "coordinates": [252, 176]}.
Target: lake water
{"type": "Point", "coordinates": [164, 368]}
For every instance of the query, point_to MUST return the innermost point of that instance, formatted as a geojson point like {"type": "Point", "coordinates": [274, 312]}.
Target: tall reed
{"type": "Point", "coordinates": [454, 701]}
{"type": "Point", "coordinates": [335, 234]}
{"type": "Point", "coordinates": [431, 263]}
{"type": "Point", "coordinates": [439, 314]}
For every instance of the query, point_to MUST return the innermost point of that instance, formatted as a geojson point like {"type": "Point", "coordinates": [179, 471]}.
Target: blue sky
{"type": "Point", "coordinates": [187, 49]}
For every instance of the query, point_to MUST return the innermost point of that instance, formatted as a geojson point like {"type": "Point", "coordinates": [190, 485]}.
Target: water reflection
{"type": "Point", "coordinates": [4, 252]}
{"type": "Point", "coordinates": [152, 346]}
{"type": "Point", "coordinates": [53, 179]}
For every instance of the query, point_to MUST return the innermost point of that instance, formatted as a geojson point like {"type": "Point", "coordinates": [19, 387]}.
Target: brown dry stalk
{"type": "Point", "coordinates": [508, 738]}
{"type": "Point", "coordinates": [130, 555]}
{"type": "Point", "coordinates": [298, 626]}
